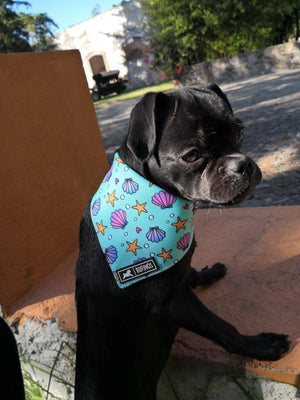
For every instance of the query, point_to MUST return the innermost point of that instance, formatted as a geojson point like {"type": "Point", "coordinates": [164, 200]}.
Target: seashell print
{"type": "Point", "coordinates": [96, 207]}
{"type": "Point", "coordinates": [155, 234]}
{"type": "Point", "coordinates": [118, 219]}
{"type": "Point", "coordinates": [129, 186]}
{"type": "Point", "coordinates": [184, 241]}
{"type": "Point", "coordinates": [108, 175]}
{"type": "Point", "coordinates": [111, 254]}
{"type": "Point", "coordinates": [163, 199]}
{"type": "Point", "coordinates": [139, 260]}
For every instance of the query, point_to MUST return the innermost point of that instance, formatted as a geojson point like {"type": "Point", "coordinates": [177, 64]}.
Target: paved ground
{"type": "Point", "coordinates": [269, 106]}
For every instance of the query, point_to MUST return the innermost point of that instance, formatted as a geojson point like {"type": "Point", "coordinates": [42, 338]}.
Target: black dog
{"type": "Point", "coordinates": [188, 143]}
{"type": "Point", "coordinates": [11, 380]}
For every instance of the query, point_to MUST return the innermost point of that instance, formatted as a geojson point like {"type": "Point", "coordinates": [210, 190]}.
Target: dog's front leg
{"type": "Point", "coordinates": [207, 275]}
{"type": "Point", "coordinates": [186, 310]}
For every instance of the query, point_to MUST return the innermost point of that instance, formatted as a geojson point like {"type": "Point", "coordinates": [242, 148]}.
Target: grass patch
{"type": "Point", "coordinates": [34, 390]}
{"type": "Point", "coordinates": [132, 94]}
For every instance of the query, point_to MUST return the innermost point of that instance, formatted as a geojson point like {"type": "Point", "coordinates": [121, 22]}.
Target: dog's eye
{"type": "Point", "coordinates": [191, 156]}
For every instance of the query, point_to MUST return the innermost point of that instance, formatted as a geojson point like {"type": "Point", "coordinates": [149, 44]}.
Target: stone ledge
{"type": "Point", "coordinates": [260, 247]}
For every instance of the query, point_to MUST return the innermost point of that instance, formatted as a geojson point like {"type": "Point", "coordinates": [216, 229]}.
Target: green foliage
{"type": "Point", "coordinates": [39, 28]}
{"type": "Point", "coordinates": [185, 32]}
{"type": "Point", "coordinates": [13, 34]}
{"type": "Point", "coordinates": [20, 31]}
{"type": "Point", "coordinates": [33, 390]}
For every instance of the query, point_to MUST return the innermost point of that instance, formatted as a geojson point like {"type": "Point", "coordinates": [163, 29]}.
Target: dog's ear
{"type": "Point", "coordinates": [144, 122]}
{"type": "Point", "coordinates": [215, 88]}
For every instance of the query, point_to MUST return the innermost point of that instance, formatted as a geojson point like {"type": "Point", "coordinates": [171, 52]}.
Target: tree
{"type": "Point", "coordinates": [185, 32]}
{"type": "Point", "coordinates": [13, 34]}
{"type": "Point", "coordinates": [22, 31]}
{"type": "Point", "coordinates": [39, 28]}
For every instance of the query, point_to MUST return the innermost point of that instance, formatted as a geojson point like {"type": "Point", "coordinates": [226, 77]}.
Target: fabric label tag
{"type": "Point", "coordinates": [136, 270]}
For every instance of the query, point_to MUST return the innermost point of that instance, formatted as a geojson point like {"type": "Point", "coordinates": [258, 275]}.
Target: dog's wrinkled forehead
{"type": "Point", "coordinates": [200, 103]}
{"type": "Point", "coordinates": [175, 118]}
{"type": "Point", "coordinates": [200, 115]}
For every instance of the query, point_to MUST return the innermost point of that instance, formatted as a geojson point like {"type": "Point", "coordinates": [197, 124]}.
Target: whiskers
{"type": "Point", "coordinates": [211, 206]}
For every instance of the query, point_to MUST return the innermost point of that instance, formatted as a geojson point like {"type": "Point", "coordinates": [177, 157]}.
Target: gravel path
{"type": "Point", "coordinates": [269, 106]}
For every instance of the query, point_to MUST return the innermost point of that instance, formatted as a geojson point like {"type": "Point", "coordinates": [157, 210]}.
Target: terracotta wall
{"type": "Point", "coordinates": [52, 159]}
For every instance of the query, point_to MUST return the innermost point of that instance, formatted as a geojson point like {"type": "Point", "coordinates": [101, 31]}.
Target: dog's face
{"type": "Point", "coordinates": [188, 142]}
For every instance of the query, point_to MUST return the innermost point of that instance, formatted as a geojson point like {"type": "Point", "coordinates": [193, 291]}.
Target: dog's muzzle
{"type": "Point", "coordinates": [239, 164]}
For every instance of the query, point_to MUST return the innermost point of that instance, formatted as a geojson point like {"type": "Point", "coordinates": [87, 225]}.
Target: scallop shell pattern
{"type": "Point", "coordinates": [111, 254]}
{"type": "Point", "coordinates": [163, 199]}
{"type": "Point", "coordinates": [129, 186]}
{"type": "Point", "coordinates": [118, 219]}
{"type": "Point", "coordinates": [96, 207]}
{"type": "Point", "coordinates": [155, 234]}
{"type": "Point", "coordinates": [108, 175]}
{"type": "Point", "coordinates": [184, 241]}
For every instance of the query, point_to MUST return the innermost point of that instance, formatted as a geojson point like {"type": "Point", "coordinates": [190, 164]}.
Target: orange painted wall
{"type": "Point", "coordinates": [52, 159]}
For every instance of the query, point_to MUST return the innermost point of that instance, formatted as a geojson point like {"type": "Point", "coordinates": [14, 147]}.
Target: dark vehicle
{"type": "Point", "coordinates": [107, 83]}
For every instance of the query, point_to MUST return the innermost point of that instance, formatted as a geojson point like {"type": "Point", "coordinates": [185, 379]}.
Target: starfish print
{"type": "Point", "coordinates": [116, 276]}
{"type": "Point", "coordinates": [112, 198]}
{"type": "Point", "coordinates": [119, 161]}
{"type": "Point", "coordinates": [133, 246]}
{"type": "Point", "coordinates": [165, 254]}
{"type": "Point", "coordinates": [140, 207]}
{"type": "Point", "coordinates": [101, 227]}
{"type": "Point", "coordinates": [179, 224]}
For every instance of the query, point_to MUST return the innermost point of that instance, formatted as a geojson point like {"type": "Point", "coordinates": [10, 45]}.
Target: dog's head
{"type": "Point", "coordinates": [188, 142]}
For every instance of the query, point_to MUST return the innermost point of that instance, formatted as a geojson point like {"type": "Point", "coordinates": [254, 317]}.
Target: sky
{"type": "Point", "coordinates": [68, 12]}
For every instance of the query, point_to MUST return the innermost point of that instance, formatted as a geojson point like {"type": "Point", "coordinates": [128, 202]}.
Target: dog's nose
{"type": "Point", "coordinates": [243, 167]}
{"type": "Point", "coordinates": [237, 164]}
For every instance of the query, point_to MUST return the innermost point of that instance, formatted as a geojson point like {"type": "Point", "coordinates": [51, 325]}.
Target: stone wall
{"type": "Point", "coordinates": [241, 66]}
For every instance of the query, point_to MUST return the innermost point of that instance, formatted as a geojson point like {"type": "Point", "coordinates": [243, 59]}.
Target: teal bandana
{"type": "Point", "coordinates": [142, 229]}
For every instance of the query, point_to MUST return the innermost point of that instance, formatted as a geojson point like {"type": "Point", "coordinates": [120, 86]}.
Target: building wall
{"type": "Point", "coordinates": [110, 34]}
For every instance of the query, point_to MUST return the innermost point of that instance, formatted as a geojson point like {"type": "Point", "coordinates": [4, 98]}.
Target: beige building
{"type": "Point", "coordinates": [116, 39]}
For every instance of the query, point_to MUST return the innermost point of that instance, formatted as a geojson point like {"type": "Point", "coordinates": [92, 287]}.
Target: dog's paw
{"type": "Point", "coordinates": [216, 271]}
{"type": "Point", "coordinates": [268, 346]}
{"type": "Point", "coordinates": [207, 275]}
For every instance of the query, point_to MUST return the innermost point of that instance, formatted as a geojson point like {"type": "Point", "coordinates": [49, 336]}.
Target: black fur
{"type": "Point", "coordinates": [187, 142]}
{"type": "Point", "coordinates": [11, 380]}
